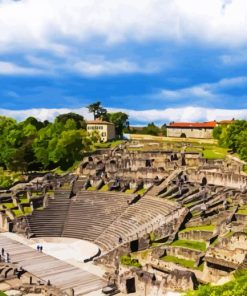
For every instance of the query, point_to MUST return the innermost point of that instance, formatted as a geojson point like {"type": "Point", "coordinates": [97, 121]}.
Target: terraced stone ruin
{"type": "Point", "coordinates": [162, 220]}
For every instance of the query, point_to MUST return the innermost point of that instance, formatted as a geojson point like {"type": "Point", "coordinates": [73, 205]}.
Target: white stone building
{"type": "Point", "coordinates": [201, 130]}
{"type": "Point", "coordinates": [105, 129]}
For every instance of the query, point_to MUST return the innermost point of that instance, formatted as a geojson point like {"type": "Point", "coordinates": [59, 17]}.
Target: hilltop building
{"type": "Point", "coordinates": [201, 130]}
{"type": "Point", "coordinates": [105, 129]}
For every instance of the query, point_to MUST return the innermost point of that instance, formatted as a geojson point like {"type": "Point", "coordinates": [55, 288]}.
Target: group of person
{"type": "Point", "coordinates": [4, 256]}
{"type": "Point", "coordinates": [39, 248]}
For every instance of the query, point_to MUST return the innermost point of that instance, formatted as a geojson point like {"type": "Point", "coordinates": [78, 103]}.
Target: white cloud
{"type": "Point", "coordinates": [92, 66]}
{"type": "Point", "coordinates": [101, 66]}
{"type": "Point", "coordinates": [232, 59]}
{"type": "Point", "coordinates": [189, 113]}
{"type": "Point", "coordinates": [7, 68]}
{"type": "Point", "coordinates": [207, 91]}
{"type": "Point", "coordinates": [43, 113]}
{"type": "Point", "coordinates": [50, 25]}
{"type": "Point", "coordinates": [186, 114]}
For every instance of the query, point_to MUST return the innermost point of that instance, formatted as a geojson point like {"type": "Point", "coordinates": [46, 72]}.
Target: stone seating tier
{"type": "Point", "coordinates": [138, 219]}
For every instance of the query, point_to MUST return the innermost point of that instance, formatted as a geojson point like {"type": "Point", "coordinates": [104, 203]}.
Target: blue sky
{"type": "Point", "coordinates": [157, 60]}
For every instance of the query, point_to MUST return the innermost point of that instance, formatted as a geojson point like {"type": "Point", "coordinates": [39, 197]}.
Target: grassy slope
{"type": "Point", "coordinates": [236, 287]}
{"type": "Point", "coordinates": [182, 262]}
{"type": "Point", "coordinates": [195, 245]}
{"type": "Point", "coordinates": [199, 228]}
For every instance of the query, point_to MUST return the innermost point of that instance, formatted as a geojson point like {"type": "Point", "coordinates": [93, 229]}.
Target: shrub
{"type": "Point", "coordinates": [128, 261]}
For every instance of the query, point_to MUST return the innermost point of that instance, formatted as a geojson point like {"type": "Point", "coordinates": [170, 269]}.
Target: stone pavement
{"type": "Point", "coordinates": [61, 274]}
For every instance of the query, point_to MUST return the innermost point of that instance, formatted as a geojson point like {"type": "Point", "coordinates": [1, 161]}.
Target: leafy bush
{"type": "Point", "coordinates": [128, 261]}
{"type": "Point", "coordinates": [236, 287]}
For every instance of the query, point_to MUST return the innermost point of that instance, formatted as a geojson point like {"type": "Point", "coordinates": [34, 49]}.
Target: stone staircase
{"type": "Point", "coordinates": [50, 222]}
{"type": "Point", "coordinates": [157, 190]}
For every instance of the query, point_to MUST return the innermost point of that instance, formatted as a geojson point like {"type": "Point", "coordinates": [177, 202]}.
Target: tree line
{"type": "Point", "coordinates": [36, 145]}
{"type": "Point", "coordinates": [234, 137]}
{"type": "Point", "coordinates": [33, 145]}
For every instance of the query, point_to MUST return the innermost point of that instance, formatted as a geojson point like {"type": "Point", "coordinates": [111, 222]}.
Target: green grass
{"type": "Point", "coordinates": [152, 236]}
{"type": "Point", "coordinates": [141, 191]}
{"type": "Point", "coordinates": [129, 191]}
{"type": "Point", "coordinates": [104, 188]}
{"type": "Point", "coordinates": [2, 294]}
{"type": "Point", "coordinates": [91, 188]}
{"type": "Point", "coordinates": [229, 234]}
{"type": "Point", "coordinates": [187, 205]}
{"type": "Point", "coordinates": [8, 205]}
{"type": "Point", "coordinates": [199, 228]}
{"type": "Point", "coordinates": [111, 144]}
{"type": "Point", "coordinates": [116, 143]}
{"type": "Point", "coordinates": [195, 245]}
{"type": "Point", "coordinates": [236, 287]}
{"type": "Point", "coordinates": [17, 213]}
{"type": "Point", "coordinates": [8, 178]}
{"type": "Point", "coordinates": [183, 262]}
{"type": "Point", "coordinates": [242, 211]}
{"type": "Point", "coordinates": [24, 200]}
{"type": "Point", "coordinates": [27, 210]}
{"type": "Point", "coordinates": [214, 152]}
{"type": "Point", "coordinates": [102, 145]}
{"type": "Point", "coordinates": [128, 261]}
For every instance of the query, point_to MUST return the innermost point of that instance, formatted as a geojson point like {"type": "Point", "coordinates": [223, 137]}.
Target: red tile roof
{"type": "Point", "coordinates": [99, 121]}
{"type": "Point", "coordinates": [210, 124]}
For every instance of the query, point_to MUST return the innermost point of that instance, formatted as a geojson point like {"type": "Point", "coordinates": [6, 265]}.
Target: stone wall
{"type": "Point", "coordinates": [153, 282]}
{"type": "Point", "coordinates": [237, 240]}
{"type": "Point", "coordinates": [196, 235]}
{"type": "Point", "coordinates": [184, 253]}
{"type": "Point", "coordinates": [221, 179]}
{"type": "Point", "coordinates": [229, 258]}
{"type": "Point", "coordinates": [202, 133]}
{"type": "Point", "coordinates": [4, 222]}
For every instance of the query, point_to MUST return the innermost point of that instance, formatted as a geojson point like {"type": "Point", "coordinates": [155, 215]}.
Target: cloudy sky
{"type": "Point", "coordinates": [158, 60]}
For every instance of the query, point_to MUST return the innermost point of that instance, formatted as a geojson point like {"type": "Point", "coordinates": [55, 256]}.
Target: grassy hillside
{"type": "Point", "coordinates": [237, 287]}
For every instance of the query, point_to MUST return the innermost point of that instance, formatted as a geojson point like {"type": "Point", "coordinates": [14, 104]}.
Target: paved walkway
{"type": "Point", "coordinates": [61, 274]}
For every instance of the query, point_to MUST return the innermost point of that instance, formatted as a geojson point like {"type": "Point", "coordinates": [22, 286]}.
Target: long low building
{"type": "Point", "coordinates": [201, 130]}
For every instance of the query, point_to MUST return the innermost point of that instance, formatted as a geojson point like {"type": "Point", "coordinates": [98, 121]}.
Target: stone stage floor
{"type": "Point", "coordinates": [60, 262]}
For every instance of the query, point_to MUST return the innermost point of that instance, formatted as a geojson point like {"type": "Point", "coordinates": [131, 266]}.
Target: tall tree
{"type": "Point", "coordinates": [78, 119]}
{"type": "Point", "coordinates": [120, 121]}
{"type": "Point", "coordinates": [95, 109]}
{"type": "Point", "coordinates": [98, 111]}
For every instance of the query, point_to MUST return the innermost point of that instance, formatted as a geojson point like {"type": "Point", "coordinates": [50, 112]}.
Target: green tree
{"type": "Point", "coordinates": [233, 133]}
{"type": "Point", "coordinates": [217, 131]}
{"type": "Point", "coordinates": [151, 129]}
{"type": "Point", "coordinates": [120, 121]}
{"type": "Point", "coordinates": [98, 111]}
{"type": "Point", "coordinates": [78, 119]}
{"type": "Point", "coordinates": [69, 148]}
